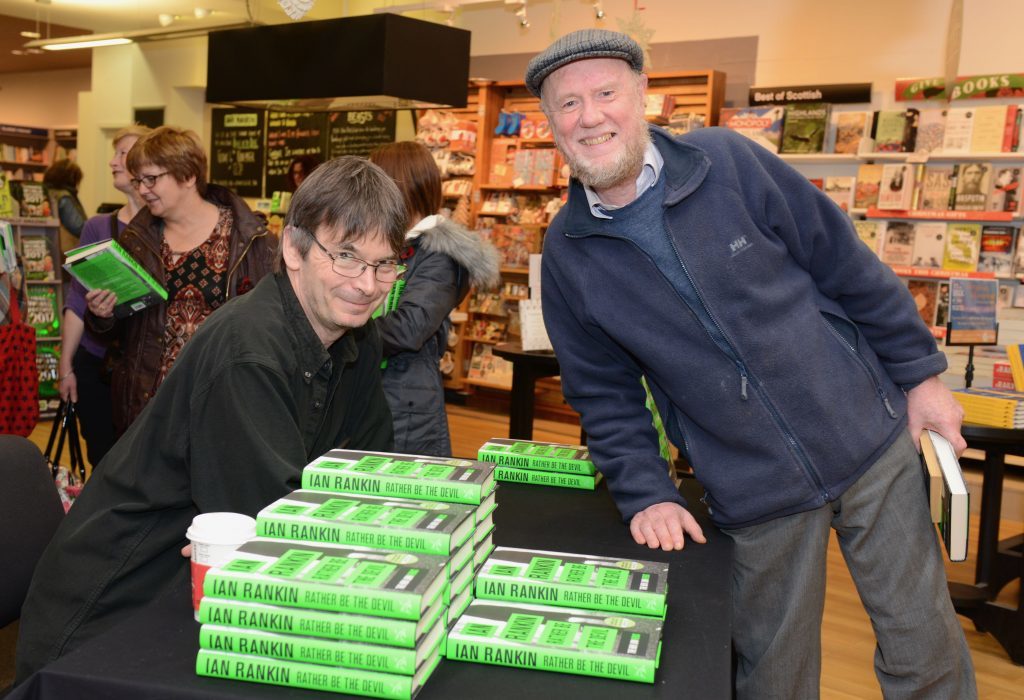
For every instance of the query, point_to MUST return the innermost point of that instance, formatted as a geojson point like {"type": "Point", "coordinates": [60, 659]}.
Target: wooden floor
{"type": "Point", "coordinates": [848, 643]}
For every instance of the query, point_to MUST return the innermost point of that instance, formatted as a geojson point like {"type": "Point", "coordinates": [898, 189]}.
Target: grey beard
{"type": "Point", "coordinates": [627, 166]}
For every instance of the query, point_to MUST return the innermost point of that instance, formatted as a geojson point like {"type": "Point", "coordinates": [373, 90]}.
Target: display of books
{"type": "Point", "coordinates": [36, 257]}
{"type": "Point", "coordinates": [536, 454]}
{"type": "Point", "coordinates": [895, 131]}
{"type": "Point", "coordinates": [929, 244]}
{"type": "Point", "coordinates": [804, 127]}
{"type": "Point", "coordinates": [257, 669]}
{"type": "Point", "coordinates": [32, 199]}
{"type": "Point", "coordinates": [106, 265]}
{"type": "Point", "coordinates": [973, 182]}
{"type": "Point", "coordinates": [762, 125]}
{"type": "Point", "coordinates": [996, 250]}
{"type": "Point", "coordinates": [320, 576]}
{"type": "Point", "coordinates": [955, 517]}
{"type": "Point", "coordinates": [963, 246]}
{"type": "Point", "coordinates": [898, 248]}
{"type": "Point", "coordinates": [959, 125]}
{"type": "Point", "coordinates": [593, 582]}
{"type": "Point", "coordinates": [541, 478]}
{"type": "Point", "coordinates": [447, 479]}
{"type": "Point", "coordinates": [931, 129]}
{"type": "Point", "coordinates": [379, 522]}
{"type": "Point", "coordinates": [896, 190]}
{"type": "Point", "coordinates": [316, 650]}
{"type": "Point", "coordinates": [557, 639]}
{"type": "Point", "coordinates": [996, 408]}
{"type": "Point", "coordinates": [849, 130]}
{"type": "Point", "coordinates": [869, 182]}
{"type": "Point", "coordinates": [937, 190]}
{"type": "Point", "coordinates": [41, 311]}
{"type": "Point", "coordinates": [989, 128]}
{"type": "Point", "coordinates": [1005, 192]}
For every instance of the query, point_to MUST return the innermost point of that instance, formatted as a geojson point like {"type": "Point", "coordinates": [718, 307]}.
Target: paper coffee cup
{"type": "Point", "coordinates": [214, 536]}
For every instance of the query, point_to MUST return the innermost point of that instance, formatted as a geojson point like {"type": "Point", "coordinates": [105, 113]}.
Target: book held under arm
{"type": "Point", "coordinates": [106, 265]}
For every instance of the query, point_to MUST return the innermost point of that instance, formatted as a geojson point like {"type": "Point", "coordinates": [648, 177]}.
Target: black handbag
{"type": "Point", "coordinates": [70, 477]}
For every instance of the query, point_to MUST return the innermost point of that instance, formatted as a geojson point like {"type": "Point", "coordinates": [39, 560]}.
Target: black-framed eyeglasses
{"type": "Point", "coordinates": [147, 180]}
{"type": "Point", "coordinates": [348, 265]}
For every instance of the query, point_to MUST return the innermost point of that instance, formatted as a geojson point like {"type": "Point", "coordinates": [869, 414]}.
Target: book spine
{"type": "Point", "coordinates": [299, 675]}
{"type": "Point", "coordinates": [509, 459]}
{"type": "Point", "coordinates": [582, 663]}
{"type": "Point", "coordinates": [543, 478]}
{"type": "Point", "coordinates": [951, 201]}
{"type": "Point", "coordinates": [309, 594]}
{"type": "Point", "coordinates": [350, 534]}
{"type": "Point", "coordinates": [1010, 128]}
{"type": "Point", "coordinates": [308, 649]}
{"type": "Point", "coordinates": [496, 587]}
{"type": "Point", "coordinates": [312, 623]}
{"type": "Point", "coordinates": [382, 485]}
{"type": "Point", "coordinates": [131, 262]}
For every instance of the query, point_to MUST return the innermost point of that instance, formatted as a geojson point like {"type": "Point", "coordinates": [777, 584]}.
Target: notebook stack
{"type": "Point", "coordinates": [567, 613]}
{"type": "Point", "coordinates": [544, 463]}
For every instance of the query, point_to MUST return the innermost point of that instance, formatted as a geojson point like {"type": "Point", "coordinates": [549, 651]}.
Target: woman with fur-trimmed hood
{"type": "Point", "coordinates": [444, 260]}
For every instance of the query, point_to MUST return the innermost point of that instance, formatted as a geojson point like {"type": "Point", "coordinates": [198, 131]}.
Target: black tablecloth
{"type": "Point", "coordinates": [152, 655]}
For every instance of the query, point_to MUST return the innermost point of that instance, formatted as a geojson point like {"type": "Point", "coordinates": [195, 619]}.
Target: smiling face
{"type": "Point", "coordinates": [596, 110]}
{"type": "Point", "coordinates": [334, 303]}
{"type": "Point", "coordinates": [167, 198]}
{"type": "Point", "coordinates": [118, 167]}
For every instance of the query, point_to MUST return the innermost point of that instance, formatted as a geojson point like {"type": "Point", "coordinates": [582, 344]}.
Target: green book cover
{"type": "Point", "coordinates": [323, 576]}
{"type": "Point", "coordinates": [326, 652]}
{"type": "Point", "coordinates": [574, 581]}
{"type": "Point", "coordinates": [430, 527]}
{"type": "Point", "coordinates": [318, 623]}
{"type": "Point", "coordinates": [106, 265]}
{"type": "Point", "coordinates": [294, 674]}
{"type": "Point", "coordinates": [963, 246]}
{"type": "Point", "coordinates": [407, 476]}
{"type": "Point", "coordinates": [533, 454]}
{"type": "Point", "coordinates": [563, 640]}
{"type": "Point", "coordinates": [542, 478]}
{"type": "Point", "coordinates": [804, 128]}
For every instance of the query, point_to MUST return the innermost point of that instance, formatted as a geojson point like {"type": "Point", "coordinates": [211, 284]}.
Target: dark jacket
{"type": "Point", "coordinates": [141, 335]}
{"type": "Point", "coordinates": [253, 397]}
{"type": "Point", "coordinates": [444, 262]}
{"type": "Point", "coordinates": [68, 209]}
{"type": "Point", "coordinates": [787, 391]}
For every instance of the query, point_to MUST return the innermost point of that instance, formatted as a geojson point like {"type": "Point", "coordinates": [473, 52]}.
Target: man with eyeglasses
{"type": "Point", "coordinates": [275, 378]}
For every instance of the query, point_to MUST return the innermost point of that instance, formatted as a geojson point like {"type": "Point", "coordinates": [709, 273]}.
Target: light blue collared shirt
{"type": "Point", "coordinates": [649, 174]}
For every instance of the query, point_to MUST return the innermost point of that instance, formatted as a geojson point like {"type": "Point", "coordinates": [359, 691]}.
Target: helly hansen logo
{"type": "Point", "coordinates": [738, 246]}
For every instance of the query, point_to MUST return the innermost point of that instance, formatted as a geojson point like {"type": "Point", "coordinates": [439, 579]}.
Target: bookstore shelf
{"type": "Point", "coordinates": [940, 215]}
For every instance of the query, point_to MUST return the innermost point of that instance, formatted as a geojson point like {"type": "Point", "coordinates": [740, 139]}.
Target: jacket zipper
{"type": "Point", "coordinates": [867, 369]}
{"type": "Point", "coordinates": [241, 257]}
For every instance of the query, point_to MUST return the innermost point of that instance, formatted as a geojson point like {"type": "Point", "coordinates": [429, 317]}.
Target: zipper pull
{"type": "Point", "coordinates": [888, 406]}
{"type": "Point", "coordinates": [743, 386]}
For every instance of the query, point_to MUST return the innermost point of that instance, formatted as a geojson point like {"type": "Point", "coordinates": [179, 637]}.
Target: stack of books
{"type": "Point", "coordinates": [544, 463]}
{"type": "Point", "coordinates": [995, 408]}
{"type": "Point", "coordinates": [567, 613]}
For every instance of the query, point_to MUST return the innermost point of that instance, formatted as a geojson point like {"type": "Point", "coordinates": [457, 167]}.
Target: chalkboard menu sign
{"type": "Point", "coordinates": [236, 151]}
{"type": "Point", "coordinates": [358, 133]}
{"type": "Point", "coordinates": [290, 135]}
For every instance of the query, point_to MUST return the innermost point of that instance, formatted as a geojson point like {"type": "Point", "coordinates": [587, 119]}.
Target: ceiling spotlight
{"type": "Point", "coordinates": [32, 35]}
{"type": "Point", "coordinates": [524, 21]}
{"type": "Point", "coordinates": [201, 12]}
{"type": "Point", "coordinates": [598, 10]}
{"type": "Point", "coordinates": [165, 19]}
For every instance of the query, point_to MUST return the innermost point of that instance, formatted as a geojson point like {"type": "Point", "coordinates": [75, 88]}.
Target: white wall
{"type": "Point", "coordinates": [42, 98]}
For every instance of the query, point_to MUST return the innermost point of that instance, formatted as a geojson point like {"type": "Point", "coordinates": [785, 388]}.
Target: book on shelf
{"type": "Point", "coordinates": [896, 190]}
{"type": "Point", "coordinates": [959, 124]}
{"type": "Point", "coordinates": [848, 129]}
{"type": "Point", "coordinates": [1014, 356]}
{"type": "Point", "coordinates": [898, 247]}
{"type": "Point", "coordinates": [325, 624]}
{"type": "Point", "coordinates": [430, 527]}
{"type": "Point", "coordinates": [895, 130]}
{"type": "Point", "coordinates": [37, 259]}
{"type": "Point", "coordinates": [42, 311]}
{"type": "Point", "coordinates": [106, 265]}
{"type": "Point", "coordinates": [1018, 253]}
{"type": "Point", "coordinates": [963, 246]}
{"type": "Point", "coordinates": [929, 244]}
{"type": "Point", "coordinates": [942, 305]}
{"type": "Point", "coordinates": [326, 652]}
{"type": "Point", "coordinates": [447, 479]}
{"type": "Point", "coordinates": [989, 128]}
{"type": "Point", "coordinates": [1013, 133]}
{"type": "Point", "coordinates": [936, 190]}
{"type": "Point", "coordinates": [973, 184]}
{"type": "Point", "coordinates": [537, 454]}
{"type": "Point", "coordinates": [955, 516]}
{"type": "Point", "coordinates": [871, 233]}
{"type": "Point", "coordinates": [562, 640]}
{"type": "Point", "coordinates": [1005, 194]}
{"type": "Point", "coordinates": [762, 125]}
{"type": "Point", "coordinates": [804, 127]}
{"type": "Point", "coordinates": [320, 576]}
{"type": "Point", "coordinates": [839, 188]}
{"type": "Point", "coordinates": [32, 200]}
{"type": "Point", "coordinates": [258, 669]}
{"type": "Point", "coordinates": [996, 254]}
{"type": "Point", "coordinates": [536, 477]}
{"type": "Point", "coordinates": [594, 582]}
{"type": "Point", "coordinates": [7, 205]}
{"type": "Point", "coordinates": [869, 182]}
{"type": "Point", "coordinates": [926, 297]}
{"type": "Point", "coordinates": [931, 128]}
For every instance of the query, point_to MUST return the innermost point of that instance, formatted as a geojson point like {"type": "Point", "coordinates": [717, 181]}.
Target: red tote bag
{"type": "Point", "coordinates": [19, 378]}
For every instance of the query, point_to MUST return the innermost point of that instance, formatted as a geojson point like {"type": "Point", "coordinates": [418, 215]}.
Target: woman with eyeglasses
{"type": "Point", "coordinates": [444, 261]}
{"type": "Point", "coordinates": [199, 240]}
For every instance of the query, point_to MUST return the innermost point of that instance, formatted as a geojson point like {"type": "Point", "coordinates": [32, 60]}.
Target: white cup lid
{"type": "Point", "coordinates": [221, 528]}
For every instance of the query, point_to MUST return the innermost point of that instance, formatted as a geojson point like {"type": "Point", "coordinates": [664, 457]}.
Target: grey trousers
{"type": "Point", "coordinates": [894, 555]}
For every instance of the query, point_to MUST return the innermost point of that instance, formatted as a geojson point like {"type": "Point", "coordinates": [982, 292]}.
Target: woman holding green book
{"type": "Point", "coordinates": [444, 260]}
{"type": "Point", "coordinates": [199, 240]}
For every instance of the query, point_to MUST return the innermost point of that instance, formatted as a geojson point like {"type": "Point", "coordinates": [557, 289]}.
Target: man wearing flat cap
{"type": "Point", "coordinates": [790, 367]}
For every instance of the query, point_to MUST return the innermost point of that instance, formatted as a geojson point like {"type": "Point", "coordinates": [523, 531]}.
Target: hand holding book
{"type": "Point", "coordinates": [101, 302]}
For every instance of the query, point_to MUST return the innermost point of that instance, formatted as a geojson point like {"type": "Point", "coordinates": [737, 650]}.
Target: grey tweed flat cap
{"type": "Point", "coordinates": [585, 43]}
